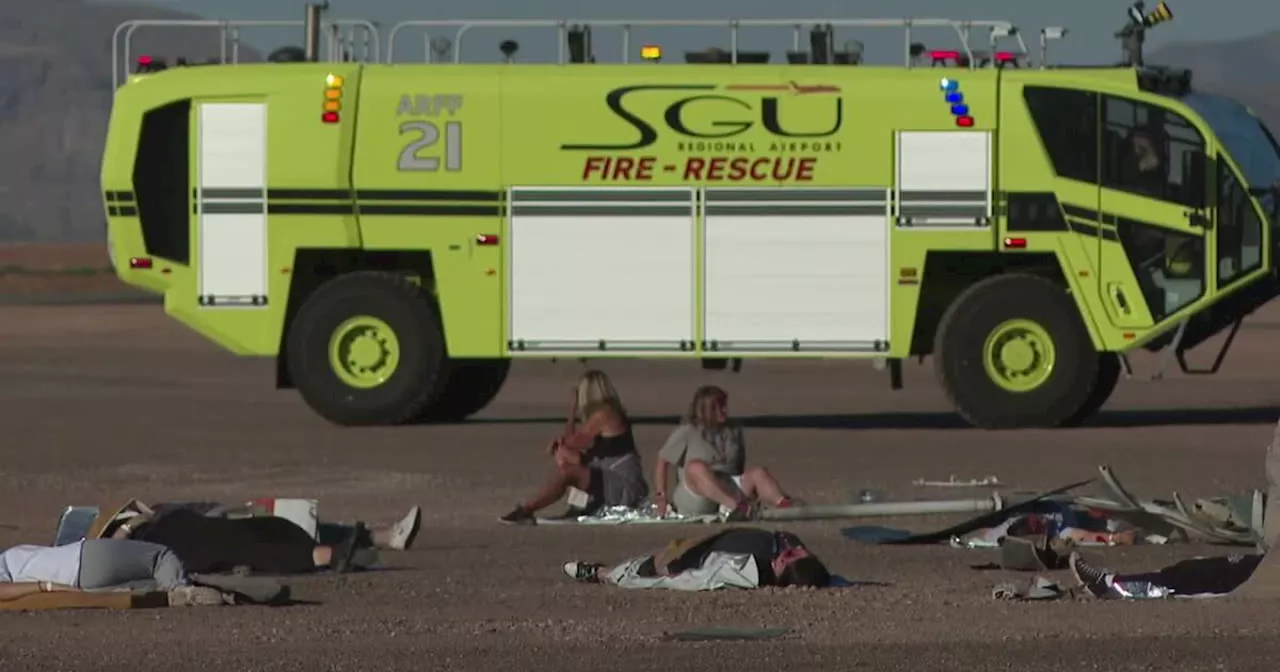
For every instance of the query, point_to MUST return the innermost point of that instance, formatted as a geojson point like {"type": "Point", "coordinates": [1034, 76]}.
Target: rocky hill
{"type": "Point", "coordinates": [55, 94]}
{"type": "Point", "coordinates": [1243, 69]}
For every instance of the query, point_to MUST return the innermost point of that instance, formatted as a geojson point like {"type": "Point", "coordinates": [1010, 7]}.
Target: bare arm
{"type": "Point", "coordinates": [581, 438]}
{"type": "Point", "coordinates": [660, 478]}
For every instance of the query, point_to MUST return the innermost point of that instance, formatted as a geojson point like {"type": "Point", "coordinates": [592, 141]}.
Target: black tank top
{"type": "Point", "coordinates": [606, 447]}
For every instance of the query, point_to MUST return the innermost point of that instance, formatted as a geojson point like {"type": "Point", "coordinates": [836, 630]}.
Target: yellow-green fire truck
{"type": "Point", "coordinates": [395, 234]}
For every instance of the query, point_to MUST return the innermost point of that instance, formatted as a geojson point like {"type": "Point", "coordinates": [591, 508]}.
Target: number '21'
{"type": "Point", "coordinates": [427, 134]}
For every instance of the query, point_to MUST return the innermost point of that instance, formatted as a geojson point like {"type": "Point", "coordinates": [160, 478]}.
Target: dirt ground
{"type": "Point", "coordinates": [64, 270]}
{"type": "Point", "coordinates": [106, 402]}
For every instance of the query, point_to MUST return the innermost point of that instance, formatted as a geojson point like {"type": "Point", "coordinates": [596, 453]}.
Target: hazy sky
{"type": "Point", "coordinates": [1091, 22]}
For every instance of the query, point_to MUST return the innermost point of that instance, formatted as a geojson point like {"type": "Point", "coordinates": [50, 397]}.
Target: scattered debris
{"type": "Point", "coordinates": [953, 483]}
{"type": "Point", "coordinates": [1039, 588]}
{"type": "Point", "coordinates": [1121, 520]}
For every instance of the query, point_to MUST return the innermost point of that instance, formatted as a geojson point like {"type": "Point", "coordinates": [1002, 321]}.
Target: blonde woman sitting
{"type": "Point", "coordinates": [596, 454]}
{"type": "Point", "coordinates": [710, 454]}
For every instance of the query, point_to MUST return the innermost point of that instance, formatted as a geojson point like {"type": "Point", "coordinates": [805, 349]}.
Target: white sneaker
{"type": "Point", "coordinates": [405, 531]}
{"type": "Point", "coordinates": [586, 572]}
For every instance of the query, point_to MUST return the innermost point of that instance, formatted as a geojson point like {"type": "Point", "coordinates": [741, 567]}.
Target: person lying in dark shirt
{"type": "Point", "coordinates": [780, 559]}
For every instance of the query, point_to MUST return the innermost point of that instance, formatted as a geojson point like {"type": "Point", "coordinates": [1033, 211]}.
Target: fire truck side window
{"type": "Point", "coordinates": [1067, 121]}
{"type": "Point", "coordinates": [161, 182]}
{"type": "Point", "coordinates": [1148, 150]}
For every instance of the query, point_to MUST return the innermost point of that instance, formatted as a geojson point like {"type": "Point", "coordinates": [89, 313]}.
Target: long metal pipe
{"type": "Point", "coordinates": [885, 509]}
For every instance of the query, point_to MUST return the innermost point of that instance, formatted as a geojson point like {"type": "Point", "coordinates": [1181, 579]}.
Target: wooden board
{"type": "Point", "coordinates": [82, 600]}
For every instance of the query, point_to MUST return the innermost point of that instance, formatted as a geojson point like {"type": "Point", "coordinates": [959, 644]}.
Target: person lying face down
{"type": "Point", "coordinates": [595, 453]}
{"type": "Point", "coordinates": [710, 452]}
{"type": "Point", "coordinates": [741, 557]}
{"type": "Point", "coordinates": [264, 545]}
{"type": "Point", "coordinates": [98, 564]}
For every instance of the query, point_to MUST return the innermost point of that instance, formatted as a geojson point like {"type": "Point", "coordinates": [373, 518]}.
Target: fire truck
{"type": "Point", "coordinates": [396, 234]}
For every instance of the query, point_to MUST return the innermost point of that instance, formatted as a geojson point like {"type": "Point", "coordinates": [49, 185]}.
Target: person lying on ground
{"type": "Point", "coordinates": [262, 545]}
{"type": "Point", "coordinates": [710, 454]}
{"type": "Point", "coordinates": [99, 564]}
{"type": "Point", "coordinates": [740, 557]}
{"type": "Point", "coordinates": [398, 536]}
{"type": "Point", "coordinates": [1195, 577]}
{"type": "Point", "coordinates": [596, 453]}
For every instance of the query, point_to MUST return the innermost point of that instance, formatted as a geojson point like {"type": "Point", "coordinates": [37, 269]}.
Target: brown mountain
{"type": "Point", "coordinates": [55, 95]}
{"type": "Point", "coordinates": [1243, 69]}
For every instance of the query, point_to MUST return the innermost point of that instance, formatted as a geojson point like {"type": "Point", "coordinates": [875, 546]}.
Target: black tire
{"type": "Point", "coordinates": [417, 379]}
{"type": "Point", "coordinates": [471, 385]}
{"type": "Point", "coordinates": [959, 357]}
{"type": "Point", "coordinates": [1104, 385]}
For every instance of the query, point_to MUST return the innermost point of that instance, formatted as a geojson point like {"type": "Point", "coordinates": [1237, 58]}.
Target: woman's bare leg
{"type": "Point", "coordinates": [704, 482]}
{"type": "Point", "coordinates": [570, 475]}
{"type": "Point", "coordinates": [757, 482]}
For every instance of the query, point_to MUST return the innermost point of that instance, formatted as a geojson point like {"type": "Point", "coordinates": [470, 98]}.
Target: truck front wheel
{"type": "Point", "coordinates": [1011, 352]}
{"type": "Point", "coordinates": [367, 349]}
{"type": "Point", "coordinates": [472, 384]}
{"type": "Point", "coordinates": [1104, 384]}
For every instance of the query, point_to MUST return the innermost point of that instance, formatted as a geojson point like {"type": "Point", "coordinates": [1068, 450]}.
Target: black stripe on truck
{"type": "Point", "coordinates": [386, 202]}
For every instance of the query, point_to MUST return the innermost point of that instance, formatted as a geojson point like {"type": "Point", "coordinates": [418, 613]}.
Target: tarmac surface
{"type": "Point", "coordinates": [109, 402]}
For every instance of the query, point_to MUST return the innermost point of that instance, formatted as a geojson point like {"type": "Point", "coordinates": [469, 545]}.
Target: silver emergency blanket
{"type": "Point", "coordinates": [718, 570]}
{"type": "Point", "coordinates": [626, 515]}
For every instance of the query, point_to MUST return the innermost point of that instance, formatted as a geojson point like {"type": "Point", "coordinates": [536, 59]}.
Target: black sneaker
{"type": "Point", "coordinates": [518, 516]}
{"type": "Point", "coordinates": [1093, 579]}
{"type": "Point", "coordinates": [586, 572]}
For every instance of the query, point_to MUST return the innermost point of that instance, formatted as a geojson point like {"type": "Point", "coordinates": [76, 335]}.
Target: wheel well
{"type": "Point", "coordinates": [313, 267]}
{"type": "Point", "coordinates": [947, 274]}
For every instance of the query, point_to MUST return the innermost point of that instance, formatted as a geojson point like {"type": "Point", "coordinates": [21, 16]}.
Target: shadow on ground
{"type": "Point", "coordinates": [1251, 415]}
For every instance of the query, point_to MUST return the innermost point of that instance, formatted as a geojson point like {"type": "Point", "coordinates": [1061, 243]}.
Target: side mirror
{"type": "Point", "coordinates": [1194, 179]}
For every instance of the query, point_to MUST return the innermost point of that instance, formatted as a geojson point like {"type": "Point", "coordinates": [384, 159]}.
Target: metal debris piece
{"type": "Point", "coordinates": [718, 634]}
{"type": "Point", "coordinates": [954, 483]}
{"type": "Point", "coordinates": [932, 507]}
{"type": "Point", "coordinates": [1039, 588]}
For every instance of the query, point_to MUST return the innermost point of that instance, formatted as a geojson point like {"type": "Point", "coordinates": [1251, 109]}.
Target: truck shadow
{"type": "Point", "coordinates": [1165, 417]}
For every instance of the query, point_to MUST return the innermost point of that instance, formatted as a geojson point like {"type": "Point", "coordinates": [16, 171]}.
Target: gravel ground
{"type": "Point", "coordinates": [106, 402]}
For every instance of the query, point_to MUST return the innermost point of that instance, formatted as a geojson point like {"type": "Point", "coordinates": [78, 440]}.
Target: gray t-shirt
{"type": "Point", "coordinates": [724, 451]}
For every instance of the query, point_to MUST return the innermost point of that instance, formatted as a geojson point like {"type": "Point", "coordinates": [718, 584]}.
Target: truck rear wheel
{"type": "Point", "coordinates": [1104, 385]}
{"type": "Point", "coordinates": [367, 349]}
{"type": "Point", "coordinates": [1011, 352]}
{"type": "Point", "coordinates": [472, 384]}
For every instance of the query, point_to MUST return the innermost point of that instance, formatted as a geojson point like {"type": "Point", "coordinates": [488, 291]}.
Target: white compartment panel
{"type": "Point", "coordinates": [817, 279]}
{"type": "Point", "coordinates": [944, 161]}
{"type": "Point", "coordinates": [617, 279]}
{"type": "Point", "coordinates": [233, 145]}
{"type": "Point", "coordinates": [233, 259]}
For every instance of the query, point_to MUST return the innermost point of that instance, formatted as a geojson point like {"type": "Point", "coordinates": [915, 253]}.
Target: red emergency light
{"type": "Point", "coordinates": [329, 117]}
{"type": "Point", "coordinates": [486, 239]}
{"type": "Point", "coordinates": [964, 121]}
{"type": "Point", "coordinates": [1015, 243]}
{"type": "Point", "coordinates": [141, 263]}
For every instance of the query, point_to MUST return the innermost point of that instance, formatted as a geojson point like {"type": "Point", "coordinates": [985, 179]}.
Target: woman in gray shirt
{"type": "Point", "coordinates": [709, 452]}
